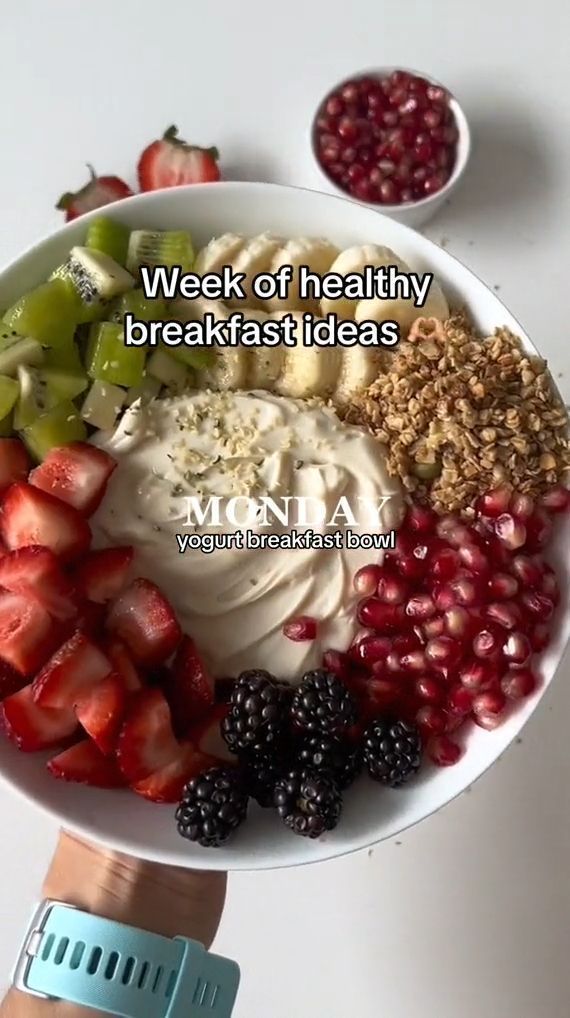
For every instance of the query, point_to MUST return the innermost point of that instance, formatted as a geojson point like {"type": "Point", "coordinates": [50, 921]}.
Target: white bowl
{"type": "Point", "coordinates": [415, 213]}
{"type": "Point", "coordinates": [133, 825]}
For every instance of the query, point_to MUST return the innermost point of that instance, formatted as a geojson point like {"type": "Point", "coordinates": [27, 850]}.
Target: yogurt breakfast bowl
{"type": "Point", "coordinates": [371, 813]}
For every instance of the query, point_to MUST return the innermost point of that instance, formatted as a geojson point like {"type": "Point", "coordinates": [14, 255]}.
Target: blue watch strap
{"type": "Point", "coordinates": [85, 959]}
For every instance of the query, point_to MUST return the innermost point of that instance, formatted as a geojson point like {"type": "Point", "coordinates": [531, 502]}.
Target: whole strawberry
{"type": "Point", "coordinates": [97, 192]}
{"type": "Point", "coordinates": [170, 161]}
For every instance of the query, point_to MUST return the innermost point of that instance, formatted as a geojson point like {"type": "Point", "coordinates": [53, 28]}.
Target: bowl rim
{"type": "Point", "coordinates": [248, 861]}
{"type": "Point", "coordinates": [464, 145]}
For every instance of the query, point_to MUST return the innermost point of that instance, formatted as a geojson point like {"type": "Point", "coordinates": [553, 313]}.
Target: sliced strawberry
{"type": "Point", "coordinates": [26, 632]}
{"type": "Point", "coordinates": [169, 161]}
{"type": "Point", "coordinates": [31, 516]}
{"type": "Point", "coordinates": [143, 618]}
{"type": "Point", "coordinates": [98, 191]}
{"type": "Point", "coordinates": [75, 668]}
{"type": "Point", "coordinates": [167, 784]}
{"type": "Point", "coordinates": [32, 727]}
{"type": "Point", "coordinates": [14, 462]}
{"type": "Point", "coordinates": [207, 737]}
{"type": "Point", "coordinates": [103, 574]}
{"type": "Point", "coordinates": [188, 687]}
{"type": "Point", "coordinates": [85, 764]}
{"type": "Point", "coordinates": [146, 743]}
{"type": "Point", "coordinates": [11, 681]}
{"type": "Point", "coordinates": [35, 572]}
{"type": "Point", "coordinates": [77, 474]}
{"type": "Point", "coordinates": [101, 710]}
{"type": "Point", "coordinates": [124, 665]}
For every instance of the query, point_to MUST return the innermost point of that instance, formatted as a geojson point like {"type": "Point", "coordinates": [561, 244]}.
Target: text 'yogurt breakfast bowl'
{"type": "Point", "coordinates": [304, 594]}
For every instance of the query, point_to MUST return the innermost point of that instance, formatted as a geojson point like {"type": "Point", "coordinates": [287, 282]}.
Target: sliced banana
{"type": "Point", "coordinates": [254, 257]}
{"type": "Point", "coordinates": [307, 370]}
{"type": "Point", "coordinates": [355, 259]}
{"type": "Point", "coordinates": [229, 370]}
{"type": "Point", "coordinates": [264, 362]}
{"type": "Point", "coordinates": [194, 310]}
{"type": "Point", "coordinates": [218, 252]}
{"type": "Point", "coordinates": [359, 367]}
{"type": "Point", "coordinates": [404, 312]}
{"type": "Point", "coordinates": [314, 252]}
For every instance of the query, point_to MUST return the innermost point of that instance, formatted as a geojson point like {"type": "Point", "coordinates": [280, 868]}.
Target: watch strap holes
{"type": "Point", "coordinates": [144, 975]}
{"type": "Point", "coordinates": [111, 966]}
{"type": "Point", "coordinates": [171, 984]}
{"type": "Point", "coordinates": [157, 978]}
{"type": "Point", "coordinates": [94, 961]}
{"type": "Point", "coordinates": [46, 949]}
{"type": "Point", "coordinates": [128, 970]}
{"type": "Point", "coordinates": [60, 951]}
{"type": "Point", "coordinates": [77, 955]}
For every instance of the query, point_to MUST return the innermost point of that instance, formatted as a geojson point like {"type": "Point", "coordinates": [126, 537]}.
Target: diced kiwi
{"type": "Point", "coordinates": [102, 405]}
{"type": "Point", "coordinates": [58, 426]}
{"type": "Point", "coordinates": [196, 357]}
{"type": "Point", "coordinates": [6, 426]}
{"type": "Point", "coordinates": [159, 247]}
{"type": "Point", "coordinates": [141, 308]}
{"type": "Point", "coordinates": [109, 360]}
{"type": "Point", "coordinates": [15, 350]}
{"type": "Point", "coordinates": [65, 358]}
{"type": "Point", "coordinates": [47, 314]}
{"type": "Point", "coordinates": [9, 391]}
{"type": "Point", "coordinates": [93, 279]}
{"type": "Point", "coordinates": [44, 388]}
{"type": "Point", "coordinates": [169, 372]}
{"type": "Point", "coordinates": [110, 237]}
{"type": "Point", "coordinates": [147, 390]}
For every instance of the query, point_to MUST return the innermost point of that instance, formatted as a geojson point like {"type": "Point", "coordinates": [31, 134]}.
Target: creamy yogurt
{"type": "Point", "coordinates": [234, 601]}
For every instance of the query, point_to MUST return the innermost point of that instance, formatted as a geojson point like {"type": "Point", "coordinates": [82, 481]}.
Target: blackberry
{"type": "Point", "coordinates": [322, 703]}
{"type": "Point", "coordinates": [308, 803]}
{"type": "Point", "coordinates": [326, 754]}
{"type": "Point", "coordinates": [392, 751]}
{"type": "Point", "coordinates": [213, 804]}
{"type": "Point", "coordinates": [257, 713]}
{"type": "Point", "coordinates": [260, 775]}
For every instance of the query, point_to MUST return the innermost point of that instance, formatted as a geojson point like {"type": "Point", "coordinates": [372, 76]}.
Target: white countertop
{"type": "Point", "coordinates": [470, 914]}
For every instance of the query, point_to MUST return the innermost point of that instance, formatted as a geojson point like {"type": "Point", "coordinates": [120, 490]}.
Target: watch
{"type": "Point", "coordinates": [71, 955]}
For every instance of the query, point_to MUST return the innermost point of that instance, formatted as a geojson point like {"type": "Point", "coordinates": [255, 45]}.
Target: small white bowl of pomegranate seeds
{"type": "Point", "coordinates": [394, 139]}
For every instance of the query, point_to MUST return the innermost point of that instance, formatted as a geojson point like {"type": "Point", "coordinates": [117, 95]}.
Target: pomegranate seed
{"type": "Point", "coordinates": [510, 531]}
{"type": "Point", "coordinates": [413, 661]}
{"type": "Point", "coordinates": [446, 524]}
{"type": "Point", "coordinates": [539, 637]}
{"type": "Point", "coordinates": [517, 648]}
{"type": "Point", "coordinates": [549, 585]}
{"type": "Point", "coordinates": [349, 155]}
{"type": "Point", "coordinates": [488, 721]}
{"type": "Point", "coordinates": [362, 190]}
{"type": "Point", "coordinates": [537, 605]}
{"type": "Point", "coordinates": [356, 172]}
{"type": "Point", "coordinates": [443, 652]}
{"type": "Point", "coordinates": [458, 535]}
{"type": "Point", "coordinates": [420, 607]}
{"type": "Point", "coordinates": [466, 590]}
{"type": "Point", "coordinates": [337, 662]}
{"type": "Point", "coordinates": [474, 559]}
{"type": "Point", "coordinates": [477, 675]}
{"type": "Point", "coordinates": [498, 553]}
{"type": "Point", "coordinates": [458, 622]}
{"type": "Point", "coordinates": [538, 530]}
{"type": "Point", "coordinates": [374, 96]}
{"type": "Point", "coordinates": [421, 519]}
{"type": "Point", "coordinates": [443, 751]}
{"type": "Point", "coordinates": [432, 117]}
{"type": "Point", "coordinates": [492, 701]}
{"type": "Point", "coordinates": [365, 581]}
{"type": "Point", "coordinates": [433, 628]}
{"type": "Point", "coordinates": [556, 499]}
{"type": "Point", "coordinates": [521, 506]}
{"type": "Point", "coordinates": [391, 588]}
{"type": "Point", "coordinates": [436, 93]}
{"type": "Point", "coordinates": [304, 627]}
{"type": "Point", "coordinates": [459, 700]}
{"type": "Point", "coordinates": [350, 92]}
{"type": "Point", "coordinates": [389, 193]}
{"type": "Point", "coordinates": [518, 683]}
{"type": "Point", "coordinates": [385, 618]}
{"type": "Point", "coordinates": [506, 614]}
{"type": "Point", "coordinates": [444, 563]}
{"type": "Point", "coordinates": [494, 503]}
{"type": "Point", "coordinates": [430, 720]}
{"type": "Point", "coordinates": [444, 597]}
{"type": "Point", "coordinates": [404, 643]}
{"type": "Point", "coordinates": [371, 648]}
{"type": "Point", "coordinates": [428, 689]}
{"type": "Point", "coordinates": [487, 643]}
{"type": "Point", "coordinates": [503, 587]}
{"type": "Point", "coordinates": [527, 570]}
{"type": "Point", "coordinates": [390, 118]}
{"type": "Point", "coordinates": [334, 106]}
{"type": "Point", "coordinates": [435, 182]}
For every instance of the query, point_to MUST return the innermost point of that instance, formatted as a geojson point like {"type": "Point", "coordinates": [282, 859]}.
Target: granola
{"type": "Point", "coordinates": [460, 413]}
